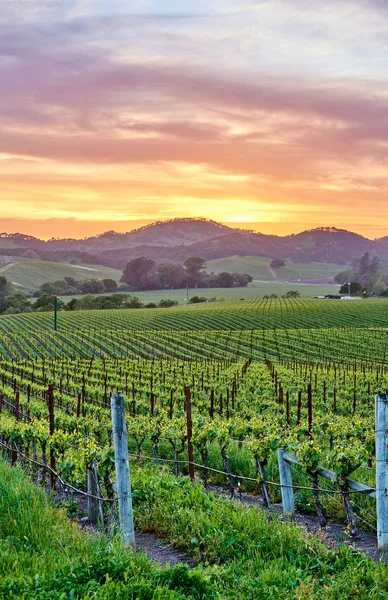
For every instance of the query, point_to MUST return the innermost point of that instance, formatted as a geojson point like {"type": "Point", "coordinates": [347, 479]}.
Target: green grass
{"type": "Point", "coordinates": [258, 268]}
{"type": "Point", "coordinates": [240, 553]}
{"type": "Point", "coordinates": [30, 274]}
{"type": "Point", "coordinates": [44, 556]}
{"type": "Point", "coordinates": [252, 292]}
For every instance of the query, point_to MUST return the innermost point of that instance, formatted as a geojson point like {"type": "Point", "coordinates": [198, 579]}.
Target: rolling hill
{"type": "Point", "coordinates": [178, 239]}
{"type": "Point", "coordinates": [259, 268]}
{"type": "Point", "coordinates": [30, 274]}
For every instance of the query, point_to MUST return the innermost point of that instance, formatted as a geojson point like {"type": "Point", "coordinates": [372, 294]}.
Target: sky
{"type": "Point", "coordinates": [265, 114]}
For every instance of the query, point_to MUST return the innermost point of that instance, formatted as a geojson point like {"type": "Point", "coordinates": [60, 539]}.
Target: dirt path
{"type": "Point", "coordinates": [5, 266]}
{"type": "Point", "coordinates": [332, 535]}
{"type": "Point", "coordinates": [271, 272]}
{"type": "Point", "coordinates": [160, 551]}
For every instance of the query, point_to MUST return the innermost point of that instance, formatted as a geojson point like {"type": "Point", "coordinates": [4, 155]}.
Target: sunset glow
{"type": "Point", "coordinates": [270, 115]}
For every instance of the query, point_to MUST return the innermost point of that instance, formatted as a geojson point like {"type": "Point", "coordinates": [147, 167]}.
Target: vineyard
{"type": "Point", "coordinates": [212, 392]}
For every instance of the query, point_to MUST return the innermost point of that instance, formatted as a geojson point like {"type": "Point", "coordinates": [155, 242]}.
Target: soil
{"type": "Point", "coordinates": [160, 551]}
{"type": "Point", "coordinates": [163, 553]}
{"type": "Point", "coordinates": [157, 549]}
{"type": "Point", "coordinates": [332, 535]}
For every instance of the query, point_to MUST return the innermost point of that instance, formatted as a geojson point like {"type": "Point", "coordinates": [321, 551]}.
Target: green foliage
{"type": "Point", "coordinates": [197, 300]}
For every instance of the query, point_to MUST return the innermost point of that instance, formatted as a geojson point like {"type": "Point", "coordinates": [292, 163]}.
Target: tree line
{"type": "Point", "coordinates": [143, 274]}
{"type": "Point", "coordinates": [365, 277]}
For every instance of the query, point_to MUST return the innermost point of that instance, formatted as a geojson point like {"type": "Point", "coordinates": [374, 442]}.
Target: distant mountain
{"type": "Point", "coordinates": [383, 243]}
{"type": "Point", "coordinates": [178, 239]}
{"type": "Point", "coordinates": [175, 232]}
{"type": "Point", "coordinates": [331, 245]}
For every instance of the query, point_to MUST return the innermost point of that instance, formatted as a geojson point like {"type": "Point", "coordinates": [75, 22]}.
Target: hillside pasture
{"type": "Point", "coordinates": [30, 274]}
{"type": "Point", "coordinates": [259, 268]}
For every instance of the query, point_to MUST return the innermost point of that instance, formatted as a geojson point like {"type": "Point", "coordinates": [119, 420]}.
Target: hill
{"type": "Point", "coordinates": [260, 269]}
{"type": "Point", "coordinates": [174, 232]}
{"type": "Point", "coordinates": [178, 239]}
{"type": "Point", "coordinates": [30, 274]}
{"type": "Point", "coordinates": [328, 244]}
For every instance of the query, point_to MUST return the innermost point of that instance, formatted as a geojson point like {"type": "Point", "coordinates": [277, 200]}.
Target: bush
{"type": "Point", "coordinates": [277, 263]}
{"type": "Point", "coordinates": [167, 303]}
{"type": "Point", "coordinates": [197, 299]}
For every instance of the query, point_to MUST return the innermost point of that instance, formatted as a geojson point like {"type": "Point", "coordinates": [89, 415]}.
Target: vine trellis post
{"type": "Point", "coordinates": [380, 492]}
{"type": "Point", "coordinates": [122, 469]}
{"type": "Point", "coordinates": [381, 410]}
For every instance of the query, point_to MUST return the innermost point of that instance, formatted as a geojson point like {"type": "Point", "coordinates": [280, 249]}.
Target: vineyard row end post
{"type": "Point", "coordinates": [381, 415]}
{"type": "Point", "coordinates": [122, 469]}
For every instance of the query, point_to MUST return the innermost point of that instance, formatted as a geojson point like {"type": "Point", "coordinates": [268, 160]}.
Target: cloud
{"type": "Point", "coordinates": [272, 103]}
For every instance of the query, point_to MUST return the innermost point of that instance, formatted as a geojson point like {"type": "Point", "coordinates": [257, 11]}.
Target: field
{"type": "Point", "coordinates": [254, 291]}
{"type": "Point", "coordinates": [258, 376]}
{"type": "Point", "coordinates": [259, 268]}
{"type": "Point", "coordinates": [30, 274]}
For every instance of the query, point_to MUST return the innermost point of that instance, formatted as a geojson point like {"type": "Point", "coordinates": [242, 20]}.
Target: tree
{"type": "Point", "coordinates": [4, 289]}
{"type": "Point", "coordinates": [355, 288]}
{"type": "Point", "coordinates": [292, 294]}
{"type": "Point", "coordinates": [367, 269]}
{"type": "Point", "coordinates": [93, 286]}
{"type": "Point", "coordinates": [277, 263]}
{"type": "Point", "coordinates": [110, 286]}
{"type": "Point", "coordinates": [137, 272]}
{"type": "Point", "coordinates": [46, 302]}
{"type": "Point", "coordinates": [71, 281]}
{"type": "Point", "coordinates": [171, 276]}
{"type": "Point", "coordinates": [17, 303]}
{"type": "Point", "coordinates": [3, 286]}
{"type": "Point", "coordinates": [197, 299]}
{"type": "Point", "coordinates": [167, 303]}
{"type": "Point", "coordinates": [343, 276]}
{"type": "Point", "coordinates": [194, 267]}
{"type": "Point", "coordinates": [241, 280]}
{"type": "Point", "coordinates": [225, 280]}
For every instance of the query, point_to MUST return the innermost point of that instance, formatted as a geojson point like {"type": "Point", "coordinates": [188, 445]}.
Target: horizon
{"type": "Point", "coordinates": [115, 115]}
{"type": "Point", "coordinates": [237, 226]}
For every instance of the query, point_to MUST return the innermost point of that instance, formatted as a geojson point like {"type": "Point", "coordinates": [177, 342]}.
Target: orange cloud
{"type": "Point", "coordinates": [173, 120]}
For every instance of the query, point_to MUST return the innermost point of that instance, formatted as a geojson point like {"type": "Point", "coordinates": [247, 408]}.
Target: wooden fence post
{"type": "Point", "coordinates": [286, 483]}
{"type": "Point", "coordinates": [190, 454]}
{"type": "Point", "coordinates": [122, 469]}
{"type": "Point", "coordinates": [381, 411]}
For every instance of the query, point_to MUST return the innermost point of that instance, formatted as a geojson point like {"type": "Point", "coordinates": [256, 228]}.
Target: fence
{"type": "Point", "coordinates": [285, 460]}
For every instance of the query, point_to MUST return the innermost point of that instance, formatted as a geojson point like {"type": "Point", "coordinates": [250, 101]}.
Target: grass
{"type": "Point", "coordinates": [258, 267]}
{"type": "Point", "coordinates": [30, 274]}
{"type": "Point", "coordinates": [44, 556]}
{"type": "Point", "coordinates": [240, 553]}
{"type": "Point", "coordinates": [253, 291]}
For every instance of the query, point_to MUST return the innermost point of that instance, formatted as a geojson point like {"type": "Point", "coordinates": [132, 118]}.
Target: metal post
{"type": "Point", "coordinates": [122, 469]}
{"type": "Point", "coordinates": [381, 412]}
{"type": "Point", "coordinates": [286, 483]}
{"type": "Point", "coordinates": [187, 293]}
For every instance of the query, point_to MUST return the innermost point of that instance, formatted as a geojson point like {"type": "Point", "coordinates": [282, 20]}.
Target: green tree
{"type": "Point", "coordinates": [17, 302]}
{"type": "Point", "coordinates": [4, 290]}
{"type": "Point", "coordinates": [93, 286]}
{"type": "Point", "coordinates": [355, 288]}
{"type": "Point", "coordinates": [110, 285]}
{"type": "Point", "coordinates": [225, 280]}
{"type": "Point", "coordinates": [46, 303]}
{"type": "Point", "coordinates": [171, 276]}
{"type": "Point", "coordinates": [194, 268]}
{"type": "Point", "coordinates": [136, 273]}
